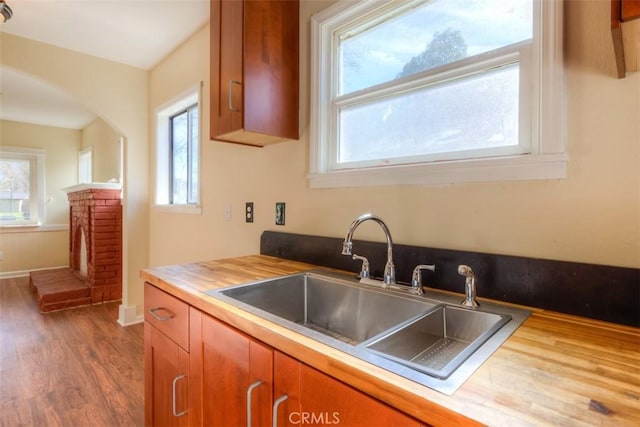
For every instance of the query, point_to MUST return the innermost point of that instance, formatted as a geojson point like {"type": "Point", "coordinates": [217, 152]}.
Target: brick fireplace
{"type": "Point", "coordinates": [95, 240]}
{"type": "Point", "coordinates": [94, 274]}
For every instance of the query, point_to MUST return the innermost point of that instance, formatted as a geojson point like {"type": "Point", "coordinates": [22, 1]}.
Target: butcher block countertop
{"type": "Point", "coordinates": [556, 369]}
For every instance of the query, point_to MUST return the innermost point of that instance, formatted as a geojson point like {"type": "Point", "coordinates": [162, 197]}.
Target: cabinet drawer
{"type": "Point", "coordinates": [168, 314]}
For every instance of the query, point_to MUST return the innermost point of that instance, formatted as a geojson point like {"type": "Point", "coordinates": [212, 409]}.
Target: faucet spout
{"type": "Point", "coordinates": [347, 245]}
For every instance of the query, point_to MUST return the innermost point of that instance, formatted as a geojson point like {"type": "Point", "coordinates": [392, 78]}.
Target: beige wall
{"type": "Point", "coordinates": [47, 246]}
{"type": "Point", "coordinates": [105, 143]}
{"type": "Point", "coordinates": [119, 95]}
{"type": "Point", "coordinates": [593, 216]}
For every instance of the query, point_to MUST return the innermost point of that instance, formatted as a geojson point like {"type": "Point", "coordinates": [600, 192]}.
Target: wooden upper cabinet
{"type": "Point", "coordinates": [630, 9]}
{"type": "Point", "coordinates": [254, 71]}
{"type": "Point", "coordinates": [624, 29]}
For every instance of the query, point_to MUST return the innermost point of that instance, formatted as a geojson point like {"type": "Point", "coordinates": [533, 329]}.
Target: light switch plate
{"type": "Point", "coordinates": [280, 210]}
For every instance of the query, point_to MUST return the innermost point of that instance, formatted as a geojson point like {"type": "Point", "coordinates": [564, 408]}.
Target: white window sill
{"type": "Point", "coordinates": [179, 209]}
{"type": "Point", "coordinates": [525, 167]}
{"type": "Point", "coordinates": [32, 228]}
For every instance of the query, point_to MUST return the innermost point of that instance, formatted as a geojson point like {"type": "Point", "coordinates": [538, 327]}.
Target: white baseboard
{"type": "Point", "coordinates": [25, 273]}
{"type": "Point", "coordinates": [127, 316]}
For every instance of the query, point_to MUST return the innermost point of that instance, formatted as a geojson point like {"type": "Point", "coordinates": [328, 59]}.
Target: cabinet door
{"type": "Point", "coordinates": [226, 66]}
{"type": "Point", "coordinates": [254, 48]}
{"type": "Point", "coordinates": [237, 377]}
{"type": "Point", "coordinates": [166, 380]}
{"type": "Point", "coordinates": [326, 401]}
{"type": "Point", "coordinates": [286, 390]}
{"type": "Point", "coordinates": [271, 67]}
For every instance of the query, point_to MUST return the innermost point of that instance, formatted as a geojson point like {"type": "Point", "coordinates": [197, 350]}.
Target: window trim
{"type": "Point", "coordinates": [548, 158]}
{"type": "Point", "coordinates": [163, 155]}
{"type": "Point", "coordinates": [37, 184]}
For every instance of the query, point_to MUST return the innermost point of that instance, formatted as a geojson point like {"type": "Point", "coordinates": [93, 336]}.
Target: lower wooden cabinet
{"type": "Point", "coordinates": [166, 362]}
{"type": "Point", "coordinates": [326, 401]}
{"type": "Point", "coordinates": [227, 378]}
{"type": "Point", "coordinates": [166, 367]}
{"type": "Point", "coordinates": [242, 378]}
{"type": "Point", "coordinates": [235, 375]}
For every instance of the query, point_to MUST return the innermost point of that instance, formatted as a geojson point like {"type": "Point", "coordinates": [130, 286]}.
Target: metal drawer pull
{"type": "Point", "coordinates": [249, 391]}
{"type": "Point", "coordinates": [173, 400]}
{"type": "Point", "coordinates": [161, 318]}
{"type": "Point", "coordinates": [275, 409]}
{"type": "Point", "coordinates": [231, 107]}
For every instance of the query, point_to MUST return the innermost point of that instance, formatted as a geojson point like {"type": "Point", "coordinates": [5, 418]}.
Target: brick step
{"type": "Point", "coordinates": [46, 307]}
{"type": "Point", "coordinates": [59, 289]}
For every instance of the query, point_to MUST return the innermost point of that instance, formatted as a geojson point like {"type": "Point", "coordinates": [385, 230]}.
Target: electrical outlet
{"type": "Point", "coordinates": [1, 255]}
{"type": "Point", "coordinates": [227, 212]}
{"type": "Point", "coordinates": [248, 212]}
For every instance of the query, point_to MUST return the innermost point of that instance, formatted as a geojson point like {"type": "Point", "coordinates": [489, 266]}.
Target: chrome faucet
{"type": "Point", "coordinates": [389, 268]}
{"type": "Point", "coordinates": [469, 286]}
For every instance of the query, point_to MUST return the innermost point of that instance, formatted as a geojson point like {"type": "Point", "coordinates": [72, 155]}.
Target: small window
{"type": "Point", "coordinates": [436, 91]}
{"type": "Point", "coordinates": [85, 166]}
{"type": "Point", "coordinates": [21, 186]}
{"type": "Point", "coordinates": [178, 154]}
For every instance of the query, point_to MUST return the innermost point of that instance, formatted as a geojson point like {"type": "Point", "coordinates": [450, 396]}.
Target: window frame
{"type": "Point", "coordinates": [163, 184]}
{"type": "Point", "coordinates": [36, 157]}
{"type": "Point", "coordinates": [546, 158]}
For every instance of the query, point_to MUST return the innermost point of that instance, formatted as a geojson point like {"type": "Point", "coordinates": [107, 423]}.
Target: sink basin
{"type": "Point", "coordinates": [437, 342]}
{"type": "Point", "coordinates": [428, 339]}
{"type": "Point", "coordinates": [329, 305]}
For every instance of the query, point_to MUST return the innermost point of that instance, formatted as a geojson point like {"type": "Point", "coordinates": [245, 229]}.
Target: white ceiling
{"type": "Point", "coordinates": [139, 33]}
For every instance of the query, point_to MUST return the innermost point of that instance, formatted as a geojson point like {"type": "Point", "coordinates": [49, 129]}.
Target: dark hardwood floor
{"type": "Point", "coordinates": [76, 367]}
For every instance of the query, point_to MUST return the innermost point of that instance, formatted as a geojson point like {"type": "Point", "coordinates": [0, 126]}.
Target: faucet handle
{"type": "Point", "coordinates": [365, 272]}
{"type": "Point", "coordinates": [416, 277]}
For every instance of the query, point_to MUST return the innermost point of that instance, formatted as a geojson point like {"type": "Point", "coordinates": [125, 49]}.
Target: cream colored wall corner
{"type": "Point", "coordinates": [119, 94]}
{"type": "Point", "coordinates": [45, 247]}
{"type": "Point", "coordinates": [593, 216]}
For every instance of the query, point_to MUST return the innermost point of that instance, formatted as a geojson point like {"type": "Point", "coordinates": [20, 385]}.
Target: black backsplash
{"type": "Point", "coordinates": [595, 291]}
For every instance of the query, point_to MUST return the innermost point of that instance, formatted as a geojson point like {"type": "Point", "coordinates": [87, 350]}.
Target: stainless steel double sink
{"type": "Point", "coordinates": [429, 339]}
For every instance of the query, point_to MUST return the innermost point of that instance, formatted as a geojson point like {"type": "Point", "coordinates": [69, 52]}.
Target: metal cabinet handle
{"type": "Point", "coordinates": [173, 399]}
{"type": "Point", "coordinates": [249, 391]}
{"type": "Point", "coordinates": [161, 318]}
{"type": "Point", "coordinates": [277, 403]}
{"type": "Point", "coordinates": [231, 82]}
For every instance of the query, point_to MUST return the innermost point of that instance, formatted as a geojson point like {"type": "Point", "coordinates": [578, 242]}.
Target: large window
{"type": "Point", "coordinates": [21, 186]}
{"type": "Point", "coordinates": [178, 154]}
{"type": "Point", "coordinates": [436, 91]}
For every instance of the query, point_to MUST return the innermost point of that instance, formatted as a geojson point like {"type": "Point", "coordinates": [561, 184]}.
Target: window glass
{"type": "Point", "coordinates": [85, 166]}
{"type": "Point", "coordinates": [21, 186]}
{"type": "Point", "coordinates": [194, 160]}
{"type": "Point", "coordinates": [412, 39]}
{"type": "Point", "coordinates": [184, 157]}
{"type": "Point", "coordinates": [477, 112]}
{"type": "Point", "coordinates": [15, 191]}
